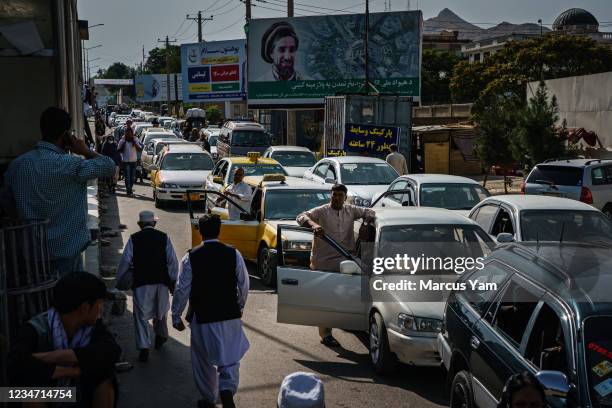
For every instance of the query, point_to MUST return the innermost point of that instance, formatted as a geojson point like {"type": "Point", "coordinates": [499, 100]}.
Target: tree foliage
{"type": "Point", "coordinates": [535, 138]}
{"type": "Point", "coordinates": [539, 58]}
{"type": "Point", "coordinates": [436, 71]}
{"type": "Point", "coordinates": [214, 115]}
{"type": "Point", "coordinates": [156, 61]}
{"type": "Point", "coordinates": [117, 70]}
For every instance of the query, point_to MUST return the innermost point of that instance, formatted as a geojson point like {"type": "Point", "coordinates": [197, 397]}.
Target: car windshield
{"type": "Point", "coordinates": [288, 204]}
{"type": "Point", "coordinates": [187, 161]}
{"type": "Point", "coordinates": [212, 140]}
{"type": "Point", "coordinates": [598, 351]}
{"type": "Point", "coordinates": [160, 146]}
{"type": "Point", "coordinates": [556, 175]}
{"type": "Point", "coordinates": [367, 173]}
{"type": "Point", "coordinates": [452, 196]}
{"type": "Point", "coordinates": [565, 225]}
{"type": "Point", "coordinates": [257, 170]}
{"type": "Point", "coordinates": [434, 243]}
{"type": "Point", "coordinates": [295, 159]}
{"type": "Point", "coordinates": [250, 138]}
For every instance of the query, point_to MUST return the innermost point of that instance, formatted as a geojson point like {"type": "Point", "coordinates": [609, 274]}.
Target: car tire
{"type": "Point", "coordinates": [266, 266]}
{"type": "Point", "coordinates": [607, 210]}
{"type": "Point", "coordinates": [383, 360]}
{"type": "Point", "coordinates": [158, 203]}
{"type": "Point", "coordinates": [461, 394]}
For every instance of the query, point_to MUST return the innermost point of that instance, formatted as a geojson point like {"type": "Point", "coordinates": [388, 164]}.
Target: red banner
{"type": "Point", "coordinates": [225, 73]}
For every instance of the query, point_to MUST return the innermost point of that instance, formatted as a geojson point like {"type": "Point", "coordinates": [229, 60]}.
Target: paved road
{"type": "Point", "coordinates": [276, 349]}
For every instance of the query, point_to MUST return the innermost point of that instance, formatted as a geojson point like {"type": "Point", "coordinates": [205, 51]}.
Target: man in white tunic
{"type": "Point", "coordinates": [214, 278]}
{"type": "Point", "coordinates": [149, 256]}
{"type": "Point", "coordinates": [240, 192]}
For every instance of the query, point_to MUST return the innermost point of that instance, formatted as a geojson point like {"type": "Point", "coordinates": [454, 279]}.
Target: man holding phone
{"type": "Point", "coordinates": [49, 183]}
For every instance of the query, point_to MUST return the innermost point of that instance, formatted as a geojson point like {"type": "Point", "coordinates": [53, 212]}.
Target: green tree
{"type": "Point", "coordinates": [539, 58]}
{"type": "Point", "coordinates": [214, 115]}
{"type": "Point", "coordinates": [156, 61]}
{"type": "Point", "coordinates": [436, 72]}
{"type": "Point", "coordinates": [117, 70]}
{"type": "Point", "coordinates": [535, 137]}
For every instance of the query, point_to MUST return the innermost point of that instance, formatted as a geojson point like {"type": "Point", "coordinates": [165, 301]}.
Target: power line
{"type": "Point", "coordinates": [296, 8]}
{"type": "Point", "coordinates": [226, 27]}
{"type": "Point", "coordinates": [228, 11]}
{"type": "Point", "coordinates": [214, 4]}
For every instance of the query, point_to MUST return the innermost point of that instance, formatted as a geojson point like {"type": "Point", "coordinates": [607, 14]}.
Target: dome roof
{"type": "Point", "coordinates": [575, 17]}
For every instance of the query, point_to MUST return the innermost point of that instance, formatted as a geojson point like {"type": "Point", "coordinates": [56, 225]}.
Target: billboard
{"type": "Point", "coordinates": [117, 82]}
{"type": "Point", "coordinates": [214, 71]}
{"type": "Point", "coordinates": [301, 60]}
{"type": "Point", "coordinates": [153, 88]}
{"type": "Point", "coordinates": [370, 140]}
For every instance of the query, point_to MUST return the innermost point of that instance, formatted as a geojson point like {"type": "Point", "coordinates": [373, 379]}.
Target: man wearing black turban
{"type": "Point", "coordinates": [278, 47]}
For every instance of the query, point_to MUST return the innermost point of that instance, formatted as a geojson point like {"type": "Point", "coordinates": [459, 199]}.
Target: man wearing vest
{"type": "Point", "coordinates": [214, 278]}
{"type": "Point", "coordinates": [150, 254]}
{"type": "Point", "coordinates": [68, 345]}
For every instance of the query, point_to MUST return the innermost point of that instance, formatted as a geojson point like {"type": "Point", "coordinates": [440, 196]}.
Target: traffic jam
{"type": "Point", "coordinates": [534, 299]}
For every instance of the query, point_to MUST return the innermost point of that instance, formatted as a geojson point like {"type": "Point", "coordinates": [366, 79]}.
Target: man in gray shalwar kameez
{"type": "Point", "coordinates": [215, 280]}
{"type": "Point", "coordinates": [155, 268]}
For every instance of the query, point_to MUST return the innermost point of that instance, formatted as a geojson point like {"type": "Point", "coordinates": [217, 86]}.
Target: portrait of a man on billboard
{"type": "Point", "coordinates": [279, 46]}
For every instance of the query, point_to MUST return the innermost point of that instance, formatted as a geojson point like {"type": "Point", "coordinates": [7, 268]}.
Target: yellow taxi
{"type": "Point", "coordinates": [222, 174]}
{"type": "Point", "coordinates": [277, 199]}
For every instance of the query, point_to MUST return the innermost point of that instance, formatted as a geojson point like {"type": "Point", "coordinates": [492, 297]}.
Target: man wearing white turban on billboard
{"type": "Point", "coordinates": [279, 45]}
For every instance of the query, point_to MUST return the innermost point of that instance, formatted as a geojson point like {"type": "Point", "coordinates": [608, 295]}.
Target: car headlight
{"type": "Point", "coordinates": [360, 202]}
{"type": "Point", "coordinates": [168, 185]}
{"type": "Point", "coordinates": [297, 245]}
{"type": "Point", "coordinates": [408, 323]}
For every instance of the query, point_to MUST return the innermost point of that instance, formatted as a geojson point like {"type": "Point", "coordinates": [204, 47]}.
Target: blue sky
{"type": "Point", "coordinates": [131, 24]}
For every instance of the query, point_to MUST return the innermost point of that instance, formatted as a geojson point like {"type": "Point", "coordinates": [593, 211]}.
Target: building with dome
{"type": "Point", "coordinates": [577, 21]}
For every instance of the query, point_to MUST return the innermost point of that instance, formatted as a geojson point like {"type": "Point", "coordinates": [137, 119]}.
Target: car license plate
{"type": "Point", "coordinates": [192, 197]}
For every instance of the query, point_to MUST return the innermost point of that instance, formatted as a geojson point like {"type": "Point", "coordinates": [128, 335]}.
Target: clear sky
{"type": "Point", "coordinates": [131, 24]}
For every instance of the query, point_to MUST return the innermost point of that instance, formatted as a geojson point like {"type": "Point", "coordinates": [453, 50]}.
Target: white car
{"type": "Point", "coordinates": [154, 147]}
{"type": "Point", "coordinates": [179, 169]}
{"type": "Point", "coordinates": [213, 137]}
{"type": "Point", "coordinates": [156, 133]}
{"type": "Point", "coordinates": [541, 218]}
{"type": "Point", "coordinates": [435, 190]}
{"type": "Point", "coordinates": [402, 325]}
{"type": "Point", "coordinates": [364, 177]}
{"type": "Point", "coordinates": [295, 159]}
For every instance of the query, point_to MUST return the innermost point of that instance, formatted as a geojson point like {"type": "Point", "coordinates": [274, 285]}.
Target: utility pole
{"type": "Point", "coordinates": [200, 21]}
{"type": "Point", "coordinates": [248, 10]}
{"type": "Point", "coordinates": [167, 41]}
{"type": "Point", "coordinates": [289, 8]}
{"type": "Point", "coordinates": [143, 60]}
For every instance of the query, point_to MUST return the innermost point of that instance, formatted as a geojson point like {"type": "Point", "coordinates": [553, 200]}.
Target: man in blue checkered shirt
{"type": "Point", "coordinates": [49, 183]}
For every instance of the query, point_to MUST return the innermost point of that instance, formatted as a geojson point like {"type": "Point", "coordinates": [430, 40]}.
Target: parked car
{"type": "Point", "coordinates": [295, 159]}
{"type": "Point", "coordinates": [546, 310]}
{"type": "Point", "coordinates": [364, 177]}
{"type": "Point", "coordinates": [180, 168]}
{"type": "Point", "coordinates": [586, 180]}
{"type": "Point", "coordinates": [402, 327]}
{"type": "Point", "coordinates": [541, 218]}
{"type": "Point", "coordinates": [238, 137]}
{"type": "Point", "coordinates": [435, 190]}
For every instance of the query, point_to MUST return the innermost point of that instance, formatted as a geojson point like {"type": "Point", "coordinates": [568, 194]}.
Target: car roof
{"type": "Point", "coordinates": [420, 216]}
{"type": "Point", "coordinates": [246, 160]}
{"type": "Point", "coordinates": [573, 162]}
{"type": "Point", "coordinates": [234, 125]}
{"type": "Point", "coordinates": [579, 273]}
{"type": "Point", "coordinates": [355, 159]}
{"type": "Point", "coordinates": [185, 149]}
{"type": "Point", "coordinates": [289, 183]}
{"type": "Point", "coordinates": [174, 142]}
{"type": "Point", "coordinates": [540, 202]}
{"type": "Point", "coordinates": [439, 178]}
{"type": "Point", "coordinates": [290, 148]}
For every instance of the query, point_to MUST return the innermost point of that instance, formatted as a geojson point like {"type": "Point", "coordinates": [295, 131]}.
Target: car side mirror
{"type": "Point", "coordinates": [329, 180]}
{"type": "Point", "coordinates": [349, 268]}
{"type": "Point", "coordinates": [218, 180]}
{"type": "Point", "coordinates": [555, 383]}
{"type": "Point", "coordinates": [504, 238]}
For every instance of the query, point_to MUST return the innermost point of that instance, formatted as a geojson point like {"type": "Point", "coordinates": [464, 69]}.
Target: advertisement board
{"type": "Point", "coordinates": [303, 59]}
{"type": "Point", "coordinates": [153, 88]}
{"type": "Point", "coordinates": [214, 71]}
{"type": "Point", "coordinates": [370, 140]}
{"type": "Point", "coordinates": [116, 82]}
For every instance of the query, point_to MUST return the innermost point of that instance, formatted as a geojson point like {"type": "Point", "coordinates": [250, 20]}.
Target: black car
{"type": "Point", "coordinates": [551, 315]}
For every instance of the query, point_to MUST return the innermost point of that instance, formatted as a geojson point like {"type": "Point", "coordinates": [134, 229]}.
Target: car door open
{"type": "Point", "coordinates": [319, 298]}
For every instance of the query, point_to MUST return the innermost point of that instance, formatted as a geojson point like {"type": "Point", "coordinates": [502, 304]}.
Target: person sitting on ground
{"type": "Point", "coordinates": [68, 346]}
{"type": "Point", "coordinates": [301, 390]}
{"type": "Point", "coordinates": [523, 390]}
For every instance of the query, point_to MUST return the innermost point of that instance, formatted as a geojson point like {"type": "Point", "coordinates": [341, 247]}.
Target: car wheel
{"type": "Point", "coordinates": [266, 266]}
{"type": "Point", "coordinates": [608, 210]}
{"type": "Point", "coordinates": [382, 359]}
{"type": "Point", "coordinates": [461, 391]}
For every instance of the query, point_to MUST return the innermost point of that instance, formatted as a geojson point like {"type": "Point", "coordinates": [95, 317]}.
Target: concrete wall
{"type": "Point", "coordinates": [584, 102]}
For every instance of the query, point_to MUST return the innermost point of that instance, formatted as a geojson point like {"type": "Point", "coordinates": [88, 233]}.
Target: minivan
{"type": "Point", "coordinates": [239, 137]}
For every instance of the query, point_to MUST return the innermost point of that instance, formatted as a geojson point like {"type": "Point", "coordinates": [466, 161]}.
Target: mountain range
{"type": "Point", "coordinates": [447, 20]}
